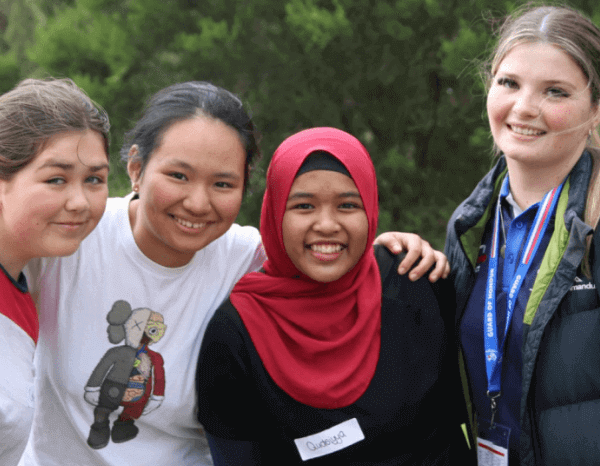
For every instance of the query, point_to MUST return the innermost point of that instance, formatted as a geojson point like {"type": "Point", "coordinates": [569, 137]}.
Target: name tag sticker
{"type": "Point", "coordinates": [329, 441]}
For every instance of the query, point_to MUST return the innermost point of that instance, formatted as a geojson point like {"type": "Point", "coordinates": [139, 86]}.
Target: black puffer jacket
{"type": "Point", "coordinates": [560, 404]}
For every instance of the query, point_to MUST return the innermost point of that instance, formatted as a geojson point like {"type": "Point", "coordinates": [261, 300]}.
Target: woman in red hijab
{"type": "Point", "coordinates": [308, 360]}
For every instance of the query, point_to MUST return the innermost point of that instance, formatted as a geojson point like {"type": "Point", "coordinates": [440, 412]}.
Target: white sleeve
{"type": "Point", "coordinates": [16, 390]}
{"type": "Point", "coordinates": [15, 423]}
{"type": "Point", "coordinates": [260, 256]}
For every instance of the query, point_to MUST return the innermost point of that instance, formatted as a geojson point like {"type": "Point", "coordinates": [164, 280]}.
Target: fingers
{"type": "Point", "coordinates": [442, 267]}
{"type": "Point", "coordinates": [427, 257]}
{"type": "Point", "coordinates": [418, 251]}
{"type": "Point", "coordinates": [392, 240]}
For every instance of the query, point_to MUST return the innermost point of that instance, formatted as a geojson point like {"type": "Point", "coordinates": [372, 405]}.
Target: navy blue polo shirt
{"type": "Point", "coordinates": [471, 326]}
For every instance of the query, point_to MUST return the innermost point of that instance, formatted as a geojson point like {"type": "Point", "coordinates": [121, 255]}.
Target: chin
{"type": "Point", "coordinates": [325, 277]}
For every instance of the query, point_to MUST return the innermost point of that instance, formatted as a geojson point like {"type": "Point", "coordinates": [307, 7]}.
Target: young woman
{"type": "Point", "coordinates": [327, 354]}
{"type": "Point", "coordinates": [122, 319]}
{"type": "Point", "coordinates": [519, 247]}
{"type": "Point", "coordinates": [53, 173]}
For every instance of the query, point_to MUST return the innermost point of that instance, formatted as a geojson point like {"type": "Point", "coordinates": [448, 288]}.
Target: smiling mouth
{"type": "Point", "coordinates": [188, 224]}
{"type": "Point", "coordinates": [71, 224]}
{"type": "Point", "coordinates": [326, 248]}
{"type": "Point", "coordinates": [526, 131]}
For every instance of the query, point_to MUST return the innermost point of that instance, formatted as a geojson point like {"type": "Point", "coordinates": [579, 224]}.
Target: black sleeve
{"type": "Point", "coordinates": [227, 400]}
{"type": "Point", "coordinates": [233, 452]}
{"type": "Point", "coordinates": [443, 290]}
{"type": "Point", "coordinates": [387, 262]}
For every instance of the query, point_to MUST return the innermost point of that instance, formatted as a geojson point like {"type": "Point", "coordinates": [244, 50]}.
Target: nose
{"type": "Point", "coordinates": [527, 104]}
{"type": "Point", "coordinates": [326, 222]}
{"type": "Point", "coordinates": [77, 200]}
{"type": "Point", "coordinates": [198, 201]}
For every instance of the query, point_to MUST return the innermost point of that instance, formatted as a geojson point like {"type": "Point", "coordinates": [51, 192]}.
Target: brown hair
{"type": "Point", "coordinates": [37, 109]}
{"type": "Point", "coordinates": [579, 38]}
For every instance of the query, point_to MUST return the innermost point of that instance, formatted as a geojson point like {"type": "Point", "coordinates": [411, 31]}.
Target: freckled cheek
{"type": "Point", "coordinates": [560, 119]}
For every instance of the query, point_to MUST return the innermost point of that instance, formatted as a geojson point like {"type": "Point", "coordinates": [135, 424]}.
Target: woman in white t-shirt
{"type": "Point", "coordinates": [160, 262]}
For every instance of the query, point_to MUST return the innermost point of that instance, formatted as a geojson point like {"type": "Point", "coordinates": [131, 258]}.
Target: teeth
{"type": "Point", "coordinates": [185, 223]}
{"type": "Point", "coordinates": [326, 248]}
{"type": "Point", "coordinates": [526, 131]}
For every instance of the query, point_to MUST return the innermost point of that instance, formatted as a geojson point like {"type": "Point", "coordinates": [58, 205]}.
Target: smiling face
{"type": "Point", "coordinates": [190, 191]}
{"type": "Point", "coordinates": [539, 107]}
{"type": "Point", "coordinates": [325, 227]}
{"type": "Point", "coordinates": [54, 202]}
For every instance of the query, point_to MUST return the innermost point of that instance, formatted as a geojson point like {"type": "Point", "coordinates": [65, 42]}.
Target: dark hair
{"type": "Point", "coordinates": [37, 109]}
{"type": "Point", "coordinates": [184, 101]}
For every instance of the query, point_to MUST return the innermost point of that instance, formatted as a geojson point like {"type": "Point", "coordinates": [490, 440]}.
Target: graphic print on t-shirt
{"type": "Point", "coordinates": [129, 375]}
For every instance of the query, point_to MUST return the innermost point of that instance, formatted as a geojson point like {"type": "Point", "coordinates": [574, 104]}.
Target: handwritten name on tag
{"type": "Point", "coordinates": [329, 441]}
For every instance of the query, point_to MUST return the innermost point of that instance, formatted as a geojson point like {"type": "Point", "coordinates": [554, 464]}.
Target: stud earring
{"type": "Point", "coordinates": [135, 187]}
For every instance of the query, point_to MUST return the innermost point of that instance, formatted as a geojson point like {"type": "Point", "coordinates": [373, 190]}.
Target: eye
{"type": "Point", "coordinates": [507, 82]}
{"type": "Point", "coordinates": [178, 176]}
{"type": "Point", "coordinates": [223, 184]}
{"type": "Point", "coordinates": [152, 331]}
{"type": "Point", "coordinates": [56, 181]}
{"type": "Point", "coordinates": [94, 179]}
{"type": "Point", "coordinates": [301, 206]}
{"type": "Point", "coordinates": [350, 206]}
{"type": "Point", "coordinates": [557, 92]}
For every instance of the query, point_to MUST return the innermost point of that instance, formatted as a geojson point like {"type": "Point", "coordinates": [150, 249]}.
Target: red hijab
{"type": "Point", "coordinates": [319, 342]}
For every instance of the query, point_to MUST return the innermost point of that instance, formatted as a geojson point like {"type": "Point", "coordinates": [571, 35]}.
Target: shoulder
{"type": "Point", "coordinates": [236, 252]}
{"type": "Point", "coordinates": [225, 326]}
{"type": "Point", "coordinates": [394, 285]}
{"type": "Point", "coordinates": [402, 290]}
{"type": "Point", "coordinates": [473, 207]}
{"type": "Point", "coordinates": [116, 213]}
{"type": "Point", "coordinates": [238, 239]}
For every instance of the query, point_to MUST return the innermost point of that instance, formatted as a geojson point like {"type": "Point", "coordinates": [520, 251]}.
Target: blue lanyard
{"type": "Point", "coordinates": [493, 352]}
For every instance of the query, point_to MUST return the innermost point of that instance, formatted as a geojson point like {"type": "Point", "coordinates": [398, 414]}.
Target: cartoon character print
{"type": "Point", "coordinates": [130, 375]}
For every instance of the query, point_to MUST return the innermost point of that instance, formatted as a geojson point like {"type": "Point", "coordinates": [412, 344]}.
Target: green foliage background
{"type": "Point", "coordinates": [401, 75]}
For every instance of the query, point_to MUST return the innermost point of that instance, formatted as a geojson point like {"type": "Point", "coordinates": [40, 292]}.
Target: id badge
{"type": "Point", "coordinates": [492, 444]}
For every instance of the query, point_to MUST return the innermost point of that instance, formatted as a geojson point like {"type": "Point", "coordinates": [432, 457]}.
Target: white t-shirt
{"type": "Point", "coordinates": [76, 295]}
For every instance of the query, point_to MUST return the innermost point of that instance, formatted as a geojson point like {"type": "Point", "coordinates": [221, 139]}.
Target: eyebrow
{"type": "Point", "coordinates": [187, 166]}
{"type": "Point", "coordinates": [53, 163]}
{"type": "Point", "coordinates": [304, 195]}
{"type": "Point", "coordinates": [548, 82]}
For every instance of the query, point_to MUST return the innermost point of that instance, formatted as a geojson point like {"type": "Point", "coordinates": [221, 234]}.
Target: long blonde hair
{"type": "Point", "coordinates": [578, 37]}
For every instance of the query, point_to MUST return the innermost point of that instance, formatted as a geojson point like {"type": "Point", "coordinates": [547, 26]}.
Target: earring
{"type": "Point", "coordinates": [135, 187]}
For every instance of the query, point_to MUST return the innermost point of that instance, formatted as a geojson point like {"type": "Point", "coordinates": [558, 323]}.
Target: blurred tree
{"type": "Point", "coordinates": [401, 75]}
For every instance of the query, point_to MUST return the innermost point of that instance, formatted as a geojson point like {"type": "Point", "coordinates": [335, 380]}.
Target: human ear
{"type": "Point", "coordinates": [134, 166]}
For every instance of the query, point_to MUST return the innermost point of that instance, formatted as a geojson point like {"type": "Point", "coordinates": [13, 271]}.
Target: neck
{"type": "Point", "coordinates": [528, 185]}
{"type": "Point", "coordinates": [13, 265]}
